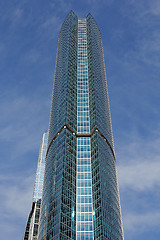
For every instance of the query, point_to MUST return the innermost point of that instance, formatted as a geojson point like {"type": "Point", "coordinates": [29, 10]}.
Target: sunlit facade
{"type": "Point", "coordinates": [31, 231]}
{"type": "Point", "coordinates": [80, 197]}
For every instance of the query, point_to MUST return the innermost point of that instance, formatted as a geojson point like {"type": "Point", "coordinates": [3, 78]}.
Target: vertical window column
{"type": "Point", "coordinates": [84, 205]}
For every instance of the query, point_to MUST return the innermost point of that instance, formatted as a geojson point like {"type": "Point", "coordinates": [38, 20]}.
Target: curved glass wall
{"type": "Point", "coordinates": [107, 219]}
{"type": "Point", "coordinates": [80, 195]}
{"type": "Point", "coordinates": [59, 193]}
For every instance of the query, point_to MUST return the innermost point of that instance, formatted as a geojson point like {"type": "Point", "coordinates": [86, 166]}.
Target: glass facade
{"type": "Point", "coordinates": [80, 195]}
{"type": "Point", "coordinates": [31, 232]}
{"type": "Point", "coordinates": [107, 220]}
{"type": "Point", "coordinates": [38, 186]}
{"type": "Point", "coordinates": [84, 206]}
{"type": "Point", "coordinates": [58, 218]}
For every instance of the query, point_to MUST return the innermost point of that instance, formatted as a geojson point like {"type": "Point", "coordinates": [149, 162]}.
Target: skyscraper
{"type": "Point", "coordinates": [31, 231]}
{"type": "Point", "coordinates": [80, 195]}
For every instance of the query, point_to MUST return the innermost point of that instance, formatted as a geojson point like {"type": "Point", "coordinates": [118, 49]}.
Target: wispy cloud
{"type": "Point", "coordinates": [142, 221]}
{"type": "Point", "coordinates": [146, 49]}
{"type": "Point", "coordinates": [142, 176]}
{"type": "Point", "coordinates": [29, 39]}
{"type": "Point", "coordinates": [139, 162]}
{"type": "Point", "coordinates": [142, 33]}
{"type": "Point", "coordinates": [17, 15]}
{"type": "Point", "coordinates": [21, 118]}
{"type": "Point", "coordinates": [154, 7]}
{"type": "Point", "coordinates": [139, 181]}
{"type": "Point", "coordinates": [16, 194]}
{"type": "Point", "coordinates": [33, 56]}
{"type": "Point", "coordinates": [51, 26]}
{"type": "Point", "coordinates": [146, 7]}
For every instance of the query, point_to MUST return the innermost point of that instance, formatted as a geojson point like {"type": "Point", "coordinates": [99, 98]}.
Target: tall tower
{"type": "Point", "coordinates": [80, 196]}
{"type": "Point", "coordinates": [31, 231]}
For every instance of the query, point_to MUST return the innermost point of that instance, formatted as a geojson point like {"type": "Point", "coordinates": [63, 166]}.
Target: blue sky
{"type": "Point", "coordinates": [131, 39]}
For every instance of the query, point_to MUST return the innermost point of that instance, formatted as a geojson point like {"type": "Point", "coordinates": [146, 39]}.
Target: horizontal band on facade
{"type": "Point", "coordinates": [79, 136]}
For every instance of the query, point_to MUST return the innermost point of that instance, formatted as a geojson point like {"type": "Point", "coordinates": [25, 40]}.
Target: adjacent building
{"type": "Point", "coordinates": [31, 231]}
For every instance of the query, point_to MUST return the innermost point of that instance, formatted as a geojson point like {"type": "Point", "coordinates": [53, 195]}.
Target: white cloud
{"type": "Point", "coordinates": [17, 13]}
{"type": "Point", "coordinates": [50, 22]}
{"type": "Point", "coordinates": [16, 197]}
{"type": "Point", "coordinates": [139, 181]}
{"type": "Point", "coordinates": [141, 176]}
{"type": "Point", "coordinates": [16, 194]}
{"type": "Point", "coordinates": [143, 19]}
{"type": "Point", "coordinates": [144, 9]}
{"type": "Point", "coordinates": [50, 27]}
{"type": "Point", "coordinates": [33, 56]}
{"type": "Point", "coordinates": [139, 163]}
{"type": "Point", "coordinates": [153, 7]}
{"type": "Point", "coordinates": [146, 49]}
{"type": "Point", "coordinates": [140, 222]}
{"type": "Point", "coordinates": [22, 123]}
{"type": "Point", "coordinates": [149, 48]}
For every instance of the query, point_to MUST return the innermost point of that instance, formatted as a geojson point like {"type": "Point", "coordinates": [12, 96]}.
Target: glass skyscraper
{"type": "Point", "coordinates": [31, 231]}
{"type": "Point", "coordinates": [80, 194]}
